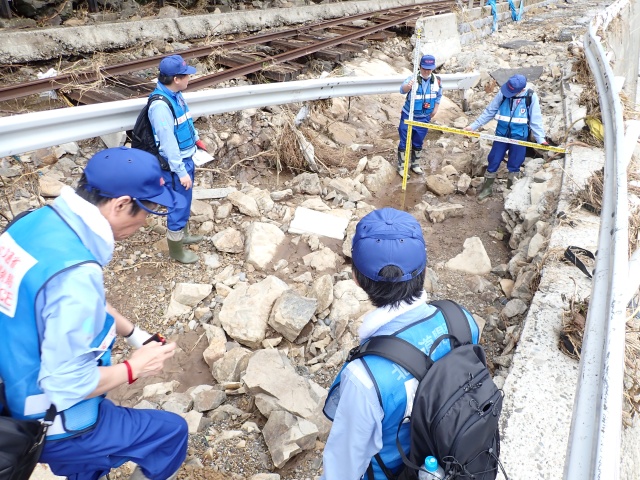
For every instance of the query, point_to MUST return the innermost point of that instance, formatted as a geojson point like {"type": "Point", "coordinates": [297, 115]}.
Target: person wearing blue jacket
{"type": "Point", "coordinates": [389, 260]}
{"type": "Point", "coordinates": [58, 329]}
{"type": "Point", "coordinates": [517, 111]}
{"type": "Point", "coordinates": [177, 139]}
{"type": "Point", "coordinates": [426, 104]}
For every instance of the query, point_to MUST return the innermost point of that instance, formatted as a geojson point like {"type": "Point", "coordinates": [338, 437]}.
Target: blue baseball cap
{"type": "Point", "coordinates": [514, 86]}
{"type": "Point", "coordinates": [116, 172]}
{"type": "Point", "coordinates": [389, 237]}
{"type": "Point", "coordinates": [175, 65]}
{"type": "Point", "coordinates": [428, 62]}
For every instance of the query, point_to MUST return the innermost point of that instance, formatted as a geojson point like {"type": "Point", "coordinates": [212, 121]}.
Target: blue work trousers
{"type": "Point", "coordinates": [496, 155]}
{"type": "Point", "coordinates": [153, 439]}
{"type": "Point", "coordinates": [418, 134]}
{"type": "Point", "coordinates": [178, 218]}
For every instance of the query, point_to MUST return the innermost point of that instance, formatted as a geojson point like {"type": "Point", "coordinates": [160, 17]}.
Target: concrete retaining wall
{"type": "Point", "coordinates": [477, 22]}
{"type": "Point", "coordinates": [623, 39]}
{"type": "Point", "coordinates": [17, 47]}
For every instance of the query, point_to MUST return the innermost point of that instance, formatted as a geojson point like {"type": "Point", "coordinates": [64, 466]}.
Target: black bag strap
{"type": "Point", "coordinates": [4, 411]}
{"type": "Point", "coordinates": [570, 254]}
{"type": "Point", "coordinates": [157, 96]}
{"type": "Point", "coordinates": [398, 351]}
{"type": "Point", "coordinates": [457, 323]}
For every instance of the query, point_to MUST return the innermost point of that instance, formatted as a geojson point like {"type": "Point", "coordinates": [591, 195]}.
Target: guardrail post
{"type": "Point", "coordinates": [160, 3]}
{"type": "Point", "coordinates": [93, 6]}
{"type": "Point", "coordinates": [5, 11]}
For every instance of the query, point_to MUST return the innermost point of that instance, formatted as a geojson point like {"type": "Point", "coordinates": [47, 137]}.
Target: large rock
{"type": "Point", "coordinates": [246, 310]}
{"type": "Point", "coordinates": [381, 176]}
{"type": "Point", "coordinates": [287, 435]}
{"type": "Point", "coordinates": [232, 365]}
{"type": "Point", "coordinates": [201, 211]}
{"type": "Point", "coordinates": [307, 183]}
{"type": "Point", "coordinates": [324, 259]}
{"type": "Point", "coordinates": [440, 185]}
{"type": "Point", "coordinates": [217, 344]}
{"type": "Point", "coordinates": [262, 243]}
{"type": "Point", "coordinates": [244, 203]}
{"type": "Point", "coordinates": [263, 199]}
{"type": "Point", "coordinates": [441, 212]}
{"type": "Point", "coordinates": [322, 291]}
{"type": "Point", "coordinates": [191, 294]}
{"type": "Point", "coordinates": [291, 313]}
{"type": "Point", "coordinates": [270, 373]}
{"type": "Point", "coordinates": [473, 259]}
{"type": "Point", "coordinates": [229, 240]}
{"type": "Point", "coordinates": [349, 302]}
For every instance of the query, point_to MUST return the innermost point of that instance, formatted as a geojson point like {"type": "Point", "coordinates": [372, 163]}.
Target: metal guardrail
{"type": "Point", "coordinates": [30, 131]}
{"type": "Point", "coordinates": [593, 450]}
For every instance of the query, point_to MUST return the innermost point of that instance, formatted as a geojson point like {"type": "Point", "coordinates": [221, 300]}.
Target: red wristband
{"type": "Point", "coordinates": [129, 372]}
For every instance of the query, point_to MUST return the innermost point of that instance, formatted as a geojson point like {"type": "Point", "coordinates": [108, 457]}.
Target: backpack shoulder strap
{"type": "Point", "coordinates": [457, 322]}
{"type": "Point", "coordinates": [528, 98]}
{"type": "Point", "coordinates": [398, 351]}
{"type": "Point", "coordinates": [157, 96]}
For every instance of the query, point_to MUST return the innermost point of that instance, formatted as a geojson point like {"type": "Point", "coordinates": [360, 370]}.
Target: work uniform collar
{"type": "Point", "coordinates": [379, 317]}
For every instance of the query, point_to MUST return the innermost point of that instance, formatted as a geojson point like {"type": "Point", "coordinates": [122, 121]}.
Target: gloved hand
{"type": "Point", "coordinates": [201, 145]}
{"type": "Point", "coordinates": [137, 337]}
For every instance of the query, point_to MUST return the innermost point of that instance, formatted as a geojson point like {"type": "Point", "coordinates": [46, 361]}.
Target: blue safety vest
{"type": "Point", "coordinates": [34, 250]}
{"type": "Point", "coordinates": [425, 99]}
{"type": "Point", "coordinates": [513, 119]}
{"type": "Point", "coordinates": [183, 127]}
{"type": "Point", "coordinates": [392, 384]}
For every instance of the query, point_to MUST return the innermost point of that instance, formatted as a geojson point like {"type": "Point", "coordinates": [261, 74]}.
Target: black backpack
{"type": "Point", "coordinates": [21, 442]}
{"type": "Point", "coordinates": [142, 134]}
{"type": "Point", "coordinates": [456, 408]}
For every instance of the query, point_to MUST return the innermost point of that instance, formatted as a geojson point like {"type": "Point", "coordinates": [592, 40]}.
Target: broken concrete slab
{"type": "Point", "coordinates": [318, 223]}
{"type": "Point", "coordinates": [210, 193]}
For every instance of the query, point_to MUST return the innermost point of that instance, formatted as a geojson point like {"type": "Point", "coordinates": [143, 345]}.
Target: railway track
{"type": "Point", "coordinates": [278, 56]}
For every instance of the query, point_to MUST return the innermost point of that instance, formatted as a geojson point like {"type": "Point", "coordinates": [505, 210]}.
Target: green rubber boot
{"type": "Point", "coordinates": [487, 188]}
{"type": "Point", "coordinates": [511, 179]}
{"type": "Point", "coordinates": [190, 239]}
{"type": "Point", "coordinates": [179, 253]}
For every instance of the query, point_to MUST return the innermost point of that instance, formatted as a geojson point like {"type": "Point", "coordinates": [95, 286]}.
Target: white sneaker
{"type": "Point", "coordinates": [417, 169]}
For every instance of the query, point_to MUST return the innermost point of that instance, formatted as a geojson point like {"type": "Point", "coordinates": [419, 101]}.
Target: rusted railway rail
{"type": "Point", "coordinates": [331, 40]}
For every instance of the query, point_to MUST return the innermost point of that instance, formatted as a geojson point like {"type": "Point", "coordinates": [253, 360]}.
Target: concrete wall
{"type": "Point", "coordinates": [477, 22]}
{"type": "Point", "coordinates": [45, 44]}
{"type": "Point", "coordinates": [623, 39]}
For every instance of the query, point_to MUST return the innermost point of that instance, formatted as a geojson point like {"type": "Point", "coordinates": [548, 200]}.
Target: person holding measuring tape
{"type": "Point", "coordinates": [426, 103]}
{"type": "Point", "coordinates": [516, 111]}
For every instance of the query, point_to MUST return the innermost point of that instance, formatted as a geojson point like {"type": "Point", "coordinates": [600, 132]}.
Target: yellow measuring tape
{"type": "Point", "coordinates": [486, 136]}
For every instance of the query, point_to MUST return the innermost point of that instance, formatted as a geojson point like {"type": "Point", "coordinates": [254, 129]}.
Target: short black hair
{"type": "Point", "coordinates": [391, 294]}
{"type": "Point", "coordinates": [168, 79]}
{"type": "Point", "coordinates": [95, 198]}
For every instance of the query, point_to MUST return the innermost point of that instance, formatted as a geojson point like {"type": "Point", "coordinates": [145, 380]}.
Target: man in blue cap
{"type": "Point", "coordinates": [426, 104]}
{"type": "Point", "coordinates": [178, 140]}
{"type": "Point", "coordinates": [516, 111]}
{"type": "Point", "coordinates": [370, 395]}
{"type": "Point", "coordinates": [57, 327]}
